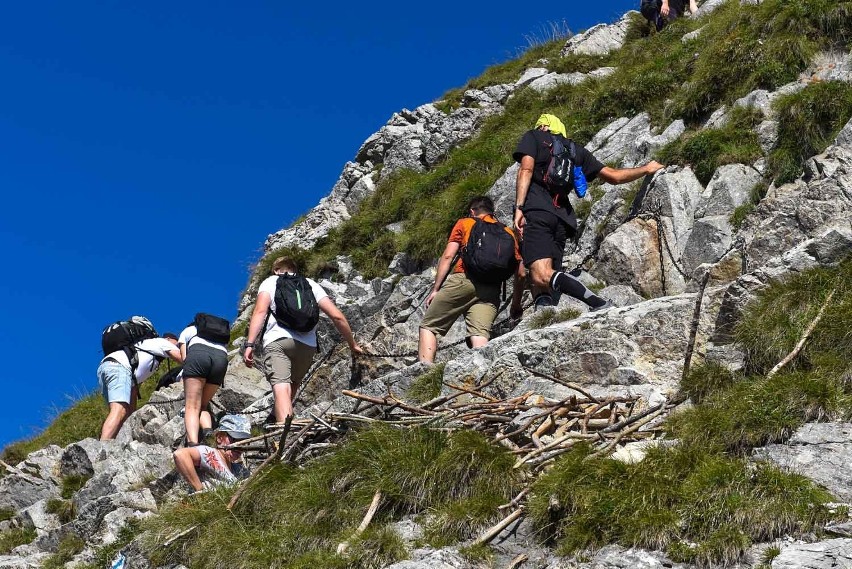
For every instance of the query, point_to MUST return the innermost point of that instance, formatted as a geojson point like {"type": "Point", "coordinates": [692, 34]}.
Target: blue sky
{"type": "Point", "coordinates": [146, 151]}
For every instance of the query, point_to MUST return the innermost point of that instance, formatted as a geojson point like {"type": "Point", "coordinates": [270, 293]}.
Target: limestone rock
{"type": "Point", "coordinates": [730, 187]}
{"type": "Point", "coordinates": [819, 451]}
{"type": "Point", "coordinates": [618, 139]}
{"type": "Point", "coordinates": [829, 554]}
{"type": "Point", "coordinates": [531, 75]}
{"type": "Point", "coordinates": [844, 137]}
{"type": "Point", "coordinates": [599, 40]}
{"type": "Point", "coordinates": [37, 516]}
{"type": "Point", "coordinates": [710, 238]}
{"type": "Point", "coordinates": [433, 559]}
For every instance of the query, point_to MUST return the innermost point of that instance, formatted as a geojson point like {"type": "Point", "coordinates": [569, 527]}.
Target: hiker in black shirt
{"type": "Point", "coordinates": [544, 216]}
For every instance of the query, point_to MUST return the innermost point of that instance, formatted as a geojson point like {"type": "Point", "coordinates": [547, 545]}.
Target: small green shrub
{"type": "Point", "coordinates": [6, 514]}
{"type": "Point", "coordinates": [740, 213]}
{"type": "Point", "coordinates": [12, 538]}
{"type": "Point", "coordinates": [808, 122]}
{"type": "Point", "coordinates": [426, 386]}
{"type": "Point", "coordinates": [72, 483]}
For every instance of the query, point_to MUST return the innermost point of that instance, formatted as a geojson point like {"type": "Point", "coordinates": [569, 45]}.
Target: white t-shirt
{"type": "Point", "coordinates": [190, 336]}
{"type": "Point", "coordinates": [273, 330]}
{"type": "Point", "coordinates": [159, 347]}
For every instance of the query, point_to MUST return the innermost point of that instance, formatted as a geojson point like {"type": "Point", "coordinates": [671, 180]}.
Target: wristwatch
{"type": "Point", "coordinates": [249, 344]}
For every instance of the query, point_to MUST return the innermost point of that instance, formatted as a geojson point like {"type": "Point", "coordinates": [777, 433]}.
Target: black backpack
{"type": "Point", "coordinates": [212, 328]}
{"type": "Point", "coordinates": [296, 306]}
{"type": "Point", "coordinates": [122, 335]}
{"type": "Point", "coordinates": [559, 173]}
{"type": "Point", "coordinates": [489, 254]}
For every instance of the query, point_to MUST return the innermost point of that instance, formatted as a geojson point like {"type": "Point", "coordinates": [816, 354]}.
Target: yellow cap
{"type": "Point", "coordinates": [556, 126]}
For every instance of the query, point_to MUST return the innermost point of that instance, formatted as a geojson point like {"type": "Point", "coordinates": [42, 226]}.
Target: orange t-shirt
{"type": "Point", "coordinates": [461, 233]}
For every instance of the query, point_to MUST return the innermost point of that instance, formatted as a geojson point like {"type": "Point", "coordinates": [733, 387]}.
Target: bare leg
{"type": "Point", "coordinates": [193, 388]}
{"type": "Point", "coordinates": [283, 393]}
{"type": "Point", "coordinates": [428, 346]}
{"type": "Point", "coordinates": [478, 341]}
{"type": "Point", "coordinates": [207, 394]}
{"type": "Point", "coordinates": [118, 413]}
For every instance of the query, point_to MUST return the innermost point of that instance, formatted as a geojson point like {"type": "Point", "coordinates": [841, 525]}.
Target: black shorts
{"type": "Point", "coordinates": [545, 236]}
{"type": "Point", "coordinates": [207, 363]}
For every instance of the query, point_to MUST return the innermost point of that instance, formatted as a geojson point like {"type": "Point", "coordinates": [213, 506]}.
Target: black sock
{"type": "Point", "coordinates": [565, 283]}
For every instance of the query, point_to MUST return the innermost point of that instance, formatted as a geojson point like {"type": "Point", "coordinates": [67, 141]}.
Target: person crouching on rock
{"type": "Point", "coordinates": [202, 465]}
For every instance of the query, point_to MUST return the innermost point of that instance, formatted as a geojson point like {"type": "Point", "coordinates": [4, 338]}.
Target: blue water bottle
{"type": "Point", "coordinates": [580, 185]}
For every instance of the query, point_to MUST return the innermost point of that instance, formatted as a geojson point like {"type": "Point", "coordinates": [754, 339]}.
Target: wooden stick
{"type": "Point", "coordinates": [567, 384]}
{"type": "Point", "coordinates": [518, 561]}
{"type": "Point", "coordinates": [495, 531]}
{"type": "Point", "coordinates": [470, 392]}
{"type": "Point", "coordinates": [177, 536]}
{"type": "Point", "coordinates": [624, 433]}
{"type": "Point", "coordinates": [516, 500]}
{"type": "Point", "coordinates": [804, 338]}
{"type": "Point", "coordinates": [371, 511]}
{"type": "Point", "coordinates": [264, 464]}
{"type": "Point", "coordinates": [693, 329]}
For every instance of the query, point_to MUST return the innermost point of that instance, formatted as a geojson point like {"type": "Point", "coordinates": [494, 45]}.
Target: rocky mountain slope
{"type": "Point", "coordinates": [682, 256]}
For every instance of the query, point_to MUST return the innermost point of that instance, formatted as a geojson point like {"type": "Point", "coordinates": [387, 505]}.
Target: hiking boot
{"type": "Point", "coordinates": [543, 301]}
{"type": "Point", "coordinates": [605, 306]}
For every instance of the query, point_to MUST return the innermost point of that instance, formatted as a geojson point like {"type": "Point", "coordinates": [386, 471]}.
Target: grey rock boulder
{"type": "Point", "coordinates": [599, 40]}
{"type": "Point", "coordinates": [844, 137]}
{"type": "Point", "coordinates": [829, 554]}
{"type": "Point", "coordinates": [618, 139]}
{"type": "Point", "coordinates": [37, 517]}
{"type": "Point", "coordinates": [819, 451]}
{"type": "Point", "coordinates": [710, 239]}
{"type": "Point", "coordinates": [433, 559]}
{"type": "Point", "coordinates": [730, 187]}
{"type": "Point", "coordinates": [531, 75]}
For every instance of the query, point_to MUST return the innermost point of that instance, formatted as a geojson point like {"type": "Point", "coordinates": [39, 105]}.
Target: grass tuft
{"type": "Point", "coordinates": [68, 547]}
{"type": "Point", "coordinates": [808, 122]}
{"type": "Point", "coordinates": [12, 538]}
{"type": "Point", "coordinates": [426, 386]}
{"type": "Point", "coordinates": [63, 509]}
{"type": "Point", "coordinates": [550, 316]}
{"type": "Point", "coordinates": [676, 496]}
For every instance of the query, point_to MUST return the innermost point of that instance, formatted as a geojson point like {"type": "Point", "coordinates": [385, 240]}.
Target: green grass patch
{"type": "Point", "coordinates": [676, 496]}
{"type": "Point", "coordinates": [68, 547]}
{"type": "Point", "coordinates": [808, 122]}
{"type": "Point", "coordinates": [238, 331]}
{"type": "Point", "coordinates": [71, 484]}
{"type": "Point", "coordinates": [741, 212]}
{"type": "Point", "coordinates": [549, 316]}
{"type": "Point", "coordinates": [7, 514]}
{"type": "Point", "coordinates": [705, 380]}
{"type": "Point", "coordinates": [12, 538]}
{"type": "Point", "coordinates": [426, 386]}
{"type": "Point", "coordinates": [63, 509]}
{"type": "Point", "coordinates": [707, 149]}
{"type": "Point", "coordinates": [772, 325]}
{"type": "Point", "coordinates": [744, 48]}
{"type": "Point", "coordinates": [296, 517]}
{"type": "Point", "coordinates": [756, 411]}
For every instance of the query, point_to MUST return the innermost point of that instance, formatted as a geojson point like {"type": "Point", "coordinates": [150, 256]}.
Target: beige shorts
{"type": "Point", "coordinates": [459, 295]}
{"type": "Point", "coordinates": [287, 361]}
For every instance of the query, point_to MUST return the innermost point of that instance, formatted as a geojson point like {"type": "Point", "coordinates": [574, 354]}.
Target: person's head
{"type": "Point", "coordinates": [284, 265]}
{"type": "Point", "coordinates": [232, 428]}
{"type": "Point", "coordinates": [481, 205]}
{"type": "Point", "coordinates": [171, 338]}
{"type": "Point", "coordinates": [550, 123]}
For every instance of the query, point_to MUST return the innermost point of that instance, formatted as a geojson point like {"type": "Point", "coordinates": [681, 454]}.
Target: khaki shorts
{"type": "Point", "coordinates": [459, 295]}
{"type": "Point", "coordinates": [287, 361]}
